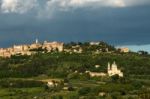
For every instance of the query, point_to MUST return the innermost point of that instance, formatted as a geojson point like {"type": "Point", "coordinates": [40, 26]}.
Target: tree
{"type": "Point", "coordinates": [143, 52]}
{"type": "Point", "coordinates": [84, 90]}
{"type": "Point", "coordinates": [115, 78]}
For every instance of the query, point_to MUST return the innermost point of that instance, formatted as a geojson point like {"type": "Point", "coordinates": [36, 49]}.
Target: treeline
{"type": "Point", "coordinates": [8, 83]}
{"type": "Point", "coordinates": [87, 47]}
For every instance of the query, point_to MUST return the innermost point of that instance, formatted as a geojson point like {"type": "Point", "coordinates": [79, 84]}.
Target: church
{"type": "Point", "coordinates": [113, 70]}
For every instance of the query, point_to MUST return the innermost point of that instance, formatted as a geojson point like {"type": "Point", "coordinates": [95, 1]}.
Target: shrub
{"type": "Point", "coordinates": [84, 90]}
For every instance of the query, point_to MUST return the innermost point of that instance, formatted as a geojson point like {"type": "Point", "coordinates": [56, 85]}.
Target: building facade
{"type": "Point", "coordinates": [113, 70]}
{"type": "Point", "coordinates": [26, 49]}
{"type": "Point", "coordinates": [124, 50]}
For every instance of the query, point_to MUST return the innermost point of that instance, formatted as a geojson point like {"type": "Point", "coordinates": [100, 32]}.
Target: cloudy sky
{"type": "Point", "coordinates": [119, 22]}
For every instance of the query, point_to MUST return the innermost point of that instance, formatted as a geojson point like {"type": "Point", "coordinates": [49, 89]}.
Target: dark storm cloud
{"type": "Point", "coordinates": [125, 25]}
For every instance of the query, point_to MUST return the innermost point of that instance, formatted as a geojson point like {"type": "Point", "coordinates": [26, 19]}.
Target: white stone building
{"type": "Point", "coordinates": [113, 70]}
{"type": "Point", "coordinates": [94, 43]}
{"type": "Point", "coordinates": [124, 50]}
{"type": "Point", "coordinates": [96, 74]}
{"type": "Point", "coordinates": [53, 46]}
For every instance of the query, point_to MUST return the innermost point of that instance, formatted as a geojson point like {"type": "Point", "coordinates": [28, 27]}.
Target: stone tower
{"type": "Point", "coordinates": [108, 68]}
{"type": "Point", "coordinates": [36, 41]}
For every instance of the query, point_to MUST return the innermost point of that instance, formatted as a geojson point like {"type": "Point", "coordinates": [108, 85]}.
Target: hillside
{"type": "Point", "coordinates": [26, 73]}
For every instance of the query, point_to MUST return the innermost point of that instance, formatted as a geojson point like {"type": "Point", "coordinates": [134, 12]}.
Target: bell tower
{"type": "Point", "coordinates": [36, 41]}
{"type": "Point", "coordinates": [108, 66]}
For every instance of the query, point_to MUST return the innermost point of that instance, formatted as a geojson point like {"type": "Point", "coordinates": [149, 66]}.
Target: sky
{"type": "Point", "coordinates": [118, 22]}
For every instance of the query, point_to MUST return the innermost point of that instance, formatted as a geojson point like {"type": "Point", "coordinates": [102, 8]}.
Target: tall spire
{"type": "Point", "coordinates": [108, 66]}
{"type": "Point", "coordinates": [114, 63]}
{"type": "Point", "coordinates": [37, 41]}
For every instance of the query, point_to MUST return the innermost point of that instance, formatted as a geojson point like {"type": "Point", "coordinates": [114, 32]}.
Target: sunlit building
{"type": "Point", "coordinates": [113, 70]}
{"type": "Point", "coordinates": [26, 49]}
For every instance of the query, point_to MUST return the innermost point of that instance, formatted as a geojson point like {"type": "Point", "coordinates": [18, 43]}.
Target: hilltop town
{"type": "Point", "coordinates": [31, 49]}
{"type": "Point", "coordinates": [96, 47]}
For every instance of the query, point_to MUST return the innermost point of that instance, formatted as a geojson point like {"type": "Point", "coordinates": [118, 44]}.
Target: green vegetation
{"type": "Point", "coordinates": [25, 77]}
